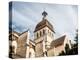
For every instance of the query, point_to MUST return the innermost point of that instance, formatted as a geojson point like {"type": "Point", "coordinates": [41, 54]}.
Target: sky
{"type": "Point", "coordinates": [26, 15]}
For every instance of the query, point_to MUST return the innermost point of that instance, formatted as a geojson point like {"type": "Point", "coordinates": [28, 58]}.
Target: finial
{"type": "Point", "coordinates": [44, 14]}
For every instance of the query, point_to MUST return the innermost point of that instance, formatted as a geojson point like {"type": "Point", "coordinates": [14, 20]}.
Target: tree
{"type": "Point", "coordinates": [76, 38]}
{"type": "Point", "coordinates": [62, 53]}
{"type": "Point", "coordinates": [73, 50]}
{"type": "Point", "coordinates": [75, 46]}
{"type": "Point", "coordinates": [67, 49]}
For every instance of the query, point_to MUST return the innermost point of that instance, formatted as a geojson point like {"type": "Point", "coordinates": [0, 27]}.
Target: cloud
{"type": "Point", "coordinates": [62, 17]}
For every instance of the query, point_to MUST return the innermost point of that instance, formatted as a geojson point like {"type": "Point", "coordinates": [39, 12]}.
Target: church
{"type": "Point", "coordinates": [43, 44]}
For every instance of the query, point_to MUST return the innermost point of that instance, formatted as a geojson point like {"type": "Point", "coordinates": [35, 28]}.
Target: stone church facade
{"type": "Point", "coordinates": [43, 44]}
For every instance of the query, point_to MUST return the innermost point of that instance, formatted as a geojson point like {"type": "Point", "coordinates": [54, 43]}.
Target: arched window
{"type": "Point", "coordinates": [43, 31]}
{"type": "Point", "coordinates": [37, 35]}
{"type": "Point", "coordinates": [40, 33]}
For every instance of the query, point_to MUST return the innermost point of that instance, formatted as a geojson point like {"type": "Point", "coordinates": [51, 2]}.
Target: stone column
{"type": "Point", "coordinates": [27, 44]}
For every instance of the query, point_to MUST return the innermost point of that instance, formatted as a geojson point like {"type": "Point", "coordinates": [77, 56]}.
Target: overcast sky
{"type": "Point", "coordinates": [64, 18]}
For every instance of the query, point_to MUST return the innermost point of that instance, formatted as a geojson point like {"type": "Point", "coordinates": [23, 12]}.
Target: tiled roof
{"type": "Point", "coordinates": [58, 42]}
{"type": "Point", "coordinates": [42, 24]}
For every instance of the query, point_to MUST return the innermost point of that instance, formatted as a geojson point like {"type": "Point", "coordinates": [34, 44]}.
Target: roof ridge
{"type": "Point", "coordinates": [23, 32]}
{"type": "Point", "coordinates": [61, 37]}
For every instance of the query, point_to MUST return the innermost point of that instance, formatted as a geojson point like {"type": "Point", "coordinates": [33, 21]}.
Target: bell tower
{"type": "Point", "coordinates": [43, 35]}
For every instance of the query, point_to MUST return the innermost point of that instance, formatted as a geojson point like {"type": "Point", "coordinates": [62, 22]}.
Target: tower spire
{"type": "Point", "coordinates": [44, 14]}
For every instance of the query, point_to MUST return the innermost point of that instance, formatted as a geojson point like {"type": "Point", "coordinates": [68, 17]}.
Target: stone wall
{"type": "Point", "coordinates": [21, 49]}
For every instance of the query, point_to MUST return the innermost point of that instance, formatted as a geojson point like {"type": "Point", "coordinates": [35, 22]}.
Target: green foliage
{"type": "Point", "coordinates": [73, 50]}
{"type": "Point", "coordinates": [67, 49]}
{"type": "Point", "coordinates": [62, 53]}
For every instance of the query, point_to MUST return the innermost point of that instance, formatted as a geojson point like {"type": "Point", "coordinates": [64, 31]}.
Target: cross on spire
{"type": "Point", "coordinates": [44, 14]}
